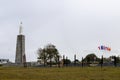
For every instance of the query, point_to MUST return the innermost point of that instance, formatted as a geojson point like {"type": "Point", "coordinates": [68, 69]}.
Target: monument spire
{"type": "Point", "coordinates": [20, 58]}
{"type": "Point", "coordinates": [20, 29]}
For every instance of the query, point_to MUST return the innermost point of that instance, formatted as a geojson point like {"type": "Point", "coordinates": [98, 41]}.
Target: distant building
{"type": "Point", "coordinates": [4, 61]}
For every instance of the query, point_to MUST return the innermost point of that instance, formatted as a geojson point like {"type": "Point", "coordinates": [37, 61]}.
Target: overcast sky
{"type": "Point", "coordinates": [73, 26]}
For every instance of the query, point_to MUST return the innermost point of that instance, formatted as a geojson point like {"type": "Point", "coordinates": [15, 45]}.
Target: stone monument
{"type": "Point", "coordinates": [20, 58]}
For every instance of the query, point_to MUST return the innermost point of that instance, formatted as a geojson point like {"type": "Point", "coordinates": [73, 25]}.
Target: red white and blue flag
{"type": "Point", "coordinates": [104, 48]}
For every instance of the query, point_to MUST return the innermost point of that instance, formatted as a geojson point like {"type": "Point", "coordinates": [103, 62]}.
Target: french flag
{"type": "Point", "coordinates": [104, 48]}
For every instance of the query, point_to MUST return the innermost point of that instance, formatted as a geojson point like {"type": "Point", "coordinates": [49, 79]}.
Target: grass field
{"type": "Point", "coordinates": [69, 73]}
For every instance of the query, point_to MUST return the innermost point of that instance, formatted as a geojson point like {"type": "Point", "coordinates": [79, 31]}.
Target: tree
{"type": "Point", "coordinates": [42, 55]}
{"type": "Point", "coordinates": [91, 58]}
{"type": "Point", "coordinates": [49, 54]}
{"type": "Point", "coordinates": [66, 61]}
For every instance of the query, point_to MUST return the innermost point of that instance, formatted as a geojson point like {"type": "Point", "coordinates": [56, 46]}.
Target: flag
{"type": "Point", "coordinates": [104, 48]}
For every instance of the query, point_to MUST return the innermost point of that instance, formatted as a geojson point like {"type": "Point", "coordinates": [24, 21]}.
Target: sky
{"type": "Point", "coordinates": [73, 26]}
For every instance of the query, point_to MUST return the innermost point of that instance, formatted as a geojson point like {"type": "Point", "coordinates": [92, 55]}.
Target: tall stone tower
{"type": "Point", "coordinates": [20, 48]}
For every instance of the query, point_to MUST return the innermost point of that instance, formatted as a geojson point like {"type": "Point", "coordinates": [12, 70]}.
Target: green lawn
{"type": "Point", "coordinates": [69, 73]}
